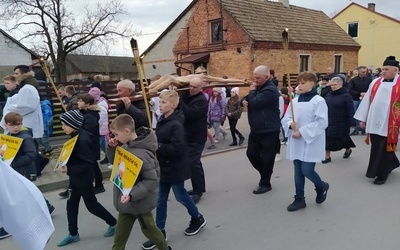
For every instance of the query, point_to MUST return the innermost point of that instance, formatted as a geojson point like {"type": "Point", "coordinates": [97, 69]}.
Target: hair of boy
{"type": "Point", "coordinates": [60, 87]}
{"type": "Point", "coordinates": [170, 95]}
{"type": "Point", "coordinates": [72, 118]}
{"type": "Point", "coordinates": [121, 122]}
{"type": "Point", "coordinates": [86, 98]}
{"type": "Point", "coordinates": [306, 76]}
{"type": "Point", "coordinates": [13, 118]}
{"type": "Point", "coordinates": [22, 68]}
{"type": "Point", "coordinates": [10, 78]}
{"type": "Point", "coordinates": [69, 89]}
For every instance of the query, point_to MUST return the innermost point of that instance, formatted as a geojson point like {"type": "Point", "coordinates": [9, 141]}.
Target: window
{"type": "Point", "coordinates": [352, 29]}
{"type": "Point", "coordinates": [338, 63]}
{"type": "Point", "coordinates": [216, 31]}
{"type": "Point", "coordinates": [304, 63]}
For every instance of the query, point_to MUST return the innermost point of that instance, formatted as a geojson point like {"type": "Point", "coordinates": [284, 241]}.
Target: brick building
{"type": "Point", "coordinates": [248, 33]}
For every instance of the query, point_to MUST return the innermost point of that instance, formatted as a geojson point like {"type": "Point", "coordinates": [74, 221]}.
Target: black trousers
{"type": "Point", "coordinates": [261, 151]}
{"type": "Point", "coordinates": [197, 176]}
{"type": "Point", "coordinates": [98, 176]}
{"type": "Point", "coordinates": [86, 192]}
{"type": "Point", "coordinates": [232, 127]}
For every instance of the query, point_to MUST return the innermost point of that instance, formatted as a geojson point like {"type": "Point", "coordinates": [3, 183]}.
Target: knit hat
{"type": "Point", "coordinates": [96, 85]}
{"type": "Point", "coordinates": [72, 118]}
{"type": "Point", "coordinates": [219, 90]}
{"type": "Point", "coordinates": [96, 93]}
{"type": "Point", "coordinates": [391, 61]}
{"type": "Point", "coordinates": [235, 90]}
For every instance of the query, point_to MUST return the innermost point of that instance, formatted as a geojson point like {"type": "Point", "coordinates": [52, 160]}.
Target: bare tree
{"type": "Point", "coordinates": [63, 31]}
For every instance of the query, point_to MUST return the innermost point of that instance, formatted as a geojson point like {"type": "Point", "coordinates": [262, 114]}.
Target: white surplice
{"type": "Point", "coordinates": [23, 210]}
{"type": "Point", "coordinates": [311, 120]}
{"type": "Point", "coordinates": [376, 114]}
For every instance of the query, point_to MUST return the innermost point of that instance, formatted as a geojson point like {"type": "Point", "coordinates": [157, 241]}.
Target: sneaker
{"type": "Point", "coordinates": [64, 194]}
{"type": "Point", "coordinates": [98, 190]}
{"type": "Point", "coordinates": [322, 193]}
{"type": "Point", "coordinates": [150, 245]}
{"type": "Point", "coordinates": [224, 134]}
{"type": "Point", "coordinates": [110, 231]}
{"type": "Point", "coordinates": [68, 240]}
{"type": "Point", "coordinates": [195, 225]}
{"type": "Point", "coordinates": [298, 203]}
{"type": "Point", "coordinates": [104, 161]}
{"type": "Point", "coordinates": [212, 146]}
{"type": "Point", "coordinates": [110, 167]}
{"type": "Point", "coordinates": [354, 133]}
{"type": "Point", "coordinates": [4, 234]}
{"type": "Point", "coordinates": [52, 209]}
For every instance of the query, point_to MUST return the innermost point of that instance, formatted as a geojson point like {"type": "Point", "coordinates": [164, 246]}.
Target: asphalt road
{"type": "Point", "coordinates": [356, 215]}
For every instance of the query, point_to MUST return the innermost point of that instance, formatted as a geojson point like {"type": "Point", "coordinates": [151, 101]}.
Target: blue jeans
{"type": "Point", "coordinates": [305, 169]}
{"type": "Point", "coordinates": [181, 196]}
{"type": "Point", "coordinates": [102, 139]}
{"type": "Point", "coordinates": [44, 141]}
{"type": "Point", "coordinates": [356, 122]}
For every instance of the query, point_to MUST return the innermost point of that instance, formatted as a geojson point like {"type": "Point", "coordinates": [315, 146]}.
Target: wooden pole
{"type": "Point", "coordinates": [142, 77]}
{"type": "Point", "coordinates": [45, 69]}
{"type": "Point", "coordinates": [285, 43]}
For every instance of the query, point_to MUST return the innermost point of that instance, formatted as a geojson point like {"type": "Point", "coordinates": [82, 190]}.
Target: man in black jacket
{"type": "Point", "coordinates": [195, 106]}
{"type": "Point", "coordinates": [262, 103]}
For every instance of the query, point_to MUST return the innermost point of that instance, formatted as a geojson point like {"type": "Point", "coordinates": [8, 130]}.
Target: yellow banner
{"type": "Point", "coordinates": [66, 152]}
{"type": "Point", "coordinates": [126, 169]}
{"type": "Point", "coordinates": [9, 146]}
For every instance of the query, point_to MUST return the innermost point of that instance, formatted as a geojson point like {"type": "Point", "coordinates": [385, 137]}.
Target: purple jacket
{"type": "Point", "coordinates": [216, 110]}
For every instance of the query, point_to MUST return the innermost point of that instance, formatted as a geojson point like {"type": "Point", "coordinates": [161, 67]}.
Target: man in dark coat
{"type": "Point", "coordinates": [263, 114]}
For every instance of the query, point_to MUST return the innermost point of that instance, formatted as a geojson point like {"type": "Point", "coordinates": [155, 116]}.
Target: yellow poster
{"type": "Point", "coordinates": [126, 169]}
{"type": "Point", "coordinates": [66, 152]}
{"type": "Point", "coordinates": [9, 146]}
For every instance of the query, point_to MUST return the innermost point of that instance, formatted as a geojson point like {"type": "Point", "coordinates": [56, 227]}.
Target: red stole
{"type": "Point", "coordinates": [394, 114]}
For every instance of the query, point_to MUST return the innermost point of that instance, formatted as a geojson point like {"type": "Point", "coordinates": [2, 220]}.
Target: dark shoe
{"type": "Point", "coordinates": [212, 146]}
{"type": "Point", "coordinates": [379, 181]}
{"type": "Point", "coordinates": [104, 161]}
{"type": "Point", "coordinates": [261, 190]}
{"type": "Point", "coordinates": [4, 234]}
{"type": "Point", "coordinates": [195, 225]}
{"type": "Point", "coordinates": [150, 245]}
{"type": "Point", "coordinates": [326, 160]}
{"type": "Point", "coordinates": [33, 177]}
{"type": "Point", "coordinates": [233, 144]}
{"type": "Point", "coordinates": [322, 193]}
{"type": "Point", "coordinates": [98, 190]}
{"type": "Point", "coordinates": [64, 194]}
{"type": "Point", "coordinates": [298, 203]}
{"type": "Point", "coordinates": [241, 139]}
{"type": "Point", "coordinates": [354, 133]}
{"type": "Point", "coordinates": [347, 154]}
{"type": "Point", "coordinates": [190, 192]}
{"type": "Point", "coordinates": [52, 209]}
{"type": "Point", "coordinates": [363, 132]}
{"type": "Point", "coordinates": [196, 197]}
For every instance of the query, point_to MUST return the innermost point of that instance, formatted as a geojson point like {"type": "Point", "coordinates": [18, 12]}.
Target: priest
{"type": "Point", "coordinates": [379, 114]}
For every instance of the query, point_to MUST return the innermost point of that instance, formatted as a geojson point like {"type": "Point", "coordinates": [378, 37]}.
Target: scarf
{"type": "Point", "coordinates": [394, 114]}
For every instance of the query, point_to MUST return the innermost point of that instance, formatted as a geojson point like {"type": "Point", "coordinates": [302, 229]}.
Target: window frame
{"type": "Point", "coordinates": [358, 29]}
{"type": "Point", "coordinates": [340, 63]}
{"type": "Point", "coordinates": [220, 32]}
{"type": "Point", "coordinates": [308, 57]}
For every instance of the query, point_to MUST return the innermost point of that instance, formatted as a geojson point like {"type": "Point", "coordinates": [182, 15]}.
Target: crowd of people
{"type": "Point", "coordinates": [319, 121]}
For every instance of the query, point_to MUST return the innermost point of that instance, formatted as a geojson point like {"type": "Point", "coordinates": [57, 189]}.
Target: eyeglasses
{"type": "Point", "coordinates": [15, 125]}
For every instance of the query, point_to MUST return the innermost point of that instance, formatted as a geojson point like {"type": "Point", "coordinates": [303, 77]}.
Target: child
{"type": "Point", "coordinates": [306, 135]}
{"type": "Point", "coordinates": [47, 114]}
{"type": "Point", "coordinates": [234, 111]}
{"type": "Point", "coordinates": [24, 161]}
{"type": "Point", "coordinates": [80, 171]}
{"type": "Point", "coordinates": [63, 95]}
{"type": "Point", "coordinates": [91, 118]}
{"type": "Point", "coordinates": [216, 112]}
{"type": "Point", "coordinates": [142, 198]}
{"type": "Point", "coordinates": [172, 154]}
{"type": "Point", "coordinates": [72, 96]}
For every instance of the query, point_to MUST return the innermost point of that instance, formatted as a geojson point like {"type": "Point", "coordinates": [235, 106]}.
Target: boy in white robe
{"type": "Point", "coordinates": [306, 139]}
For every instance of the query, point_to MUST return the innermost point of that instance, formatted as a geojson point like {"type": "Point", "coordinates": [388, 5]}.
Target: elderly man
{"type": "Point", "coordinates": [263, 114]}
{"type": "Point", "coordinates": [136, 109]}
{"type": "Point", "coordinates": [379, 115]}
{"type": "Point", "coordinates": [329, 73]}
{"type": "Point", "coordinates": [195, 106]}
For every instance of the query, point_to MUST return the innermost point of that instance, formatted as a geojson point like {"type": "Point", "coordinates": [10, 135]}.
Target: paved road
{"type": "Point", "coordinates": [356, 215]}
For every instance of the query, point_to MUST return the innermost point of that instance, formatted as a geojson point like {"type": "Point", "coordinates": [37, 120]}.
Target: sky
{"type": "Point", "coordinates": [152, 17]}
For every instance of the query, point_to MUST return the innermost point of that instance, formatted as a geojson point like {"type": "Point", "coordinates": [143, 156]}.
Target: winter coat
{"type": "Point", "coordinates": [263, 109]}
{"type": "Point", "coordinates": [234, 108]}
{"type": "Point", "coordinates": [103, 121]}
{"type": "Point", "coordinates": [172, 152]}
{"type": "Point", "coordinates": [73, 102]}
{"type": "Point", "coordinates": [358, 85]}
{"type": "Point", "coordinates": [195, 109]}
{"type": "Point", "coordinates": [80, 164]}
{"type": "Point", "coordinates": [24, 161]}
{"type": "Point", "coordinates": [137, 111]}
{"type": "Point", "coordinates": [47, 114]}
{"type": "Point", "coordinates": [216, 110]}
{"type": "Point", "coordinates": [90, 123]}
{"type": "Point", "coordinates": [28, 78]}
{"type": "Point", "coordinates": [145, 190]}
{"type": "Point", "coordinates": [340, 113]}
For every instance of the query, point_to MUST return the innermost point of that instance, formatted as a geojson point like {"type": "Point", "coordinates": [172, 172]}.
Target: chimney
{"type": "Point", "coordinates": [285, 3]}
{"type": "Point", "coordinates": [371, 6]}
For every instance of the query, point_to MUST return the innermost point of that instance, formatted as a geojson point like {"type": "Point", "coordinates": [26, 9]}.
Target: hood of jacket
{"type": "Point", "coordinates": [23, 133]}
{"type": "Point", "coordinates": [28, 78]}
{"type": "Point", "coordinates": [146, 139]}
{"type": "Point", "coordinates": [176, 115]}
{"type": "Point", "coordinates": [94, 107]}
{"type": "Point", "coordinates": [46, 102]}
